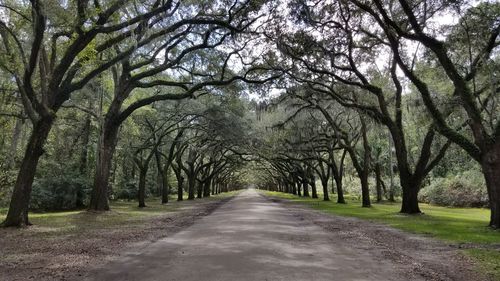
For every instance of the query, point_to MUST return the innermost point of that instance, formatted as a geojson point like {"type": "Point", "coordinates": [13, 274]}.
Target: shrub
{"type": "Point", "coordinates": [127, 191]}
{"type": "Point", "coordinates": [59, 192]}
{"type": "Point", "coordinates": [465, 189]}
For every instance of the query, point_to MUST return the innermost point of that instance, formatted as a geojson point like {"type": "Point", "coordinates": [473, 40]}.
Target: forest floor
{"type": "Point", "coordinates": [64, 245]}
{"type": "Point", "coordinates": [257, 237]}
{"type": "Point", "coordinates": [463, 229]}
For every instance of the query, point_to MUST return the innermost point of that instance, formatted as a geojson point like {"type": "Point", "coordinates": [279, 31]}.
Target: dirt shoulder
{"type": "Point", "coordinates": [41, 253]}
{"type": "Point", "coordinates": [420, 256]}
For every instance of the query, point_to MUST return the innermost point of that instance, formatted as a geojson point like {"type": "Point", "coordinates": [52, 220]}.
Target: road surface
{"type": "Point", "coordinates": [250, 238]}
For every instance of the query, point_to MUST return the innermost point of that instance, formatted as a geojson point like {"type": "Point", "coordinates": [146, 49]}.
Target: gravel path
{"type": "Point", "coordinates": [254, 238]}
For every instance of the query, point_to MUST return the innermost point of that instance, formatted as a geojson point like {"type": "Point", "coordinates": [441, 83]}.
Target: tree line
{"type": "Point", "coordinates": [352, 65]}
{"type": "Point", "coordinates": [142, 53]}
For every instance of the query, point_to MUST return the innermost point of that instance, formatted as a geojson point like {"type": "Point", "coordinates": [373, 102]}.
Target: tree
{"type": "Point", "coordinates": [189, 46]}
{"type": "Point", "coordinates": [347, 131]}
{"type": "Point", "coordinates": [466, 57]}
{"type": "Point", "coordinates": [65, 58]}
{"type": "Point", "coordinates": [340, 70]}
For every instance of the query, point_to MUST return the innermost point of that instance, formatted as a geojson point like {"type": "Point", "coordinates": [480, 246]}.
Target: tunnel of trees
{"type": "Point", "coordinates": [116, 99]}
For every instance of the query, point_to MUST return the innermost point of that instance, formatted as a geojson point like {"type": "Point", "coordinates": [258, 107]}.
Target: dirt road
{"type": "Point", "coordinates": [253, 238]}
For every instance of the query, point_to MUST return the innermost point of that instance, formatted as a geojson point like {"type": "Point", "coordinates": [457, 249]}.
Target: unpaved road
{"type": "Point", "coordinates": [67, 252]}
{"type": "Point", "coordinates": [253, 238]}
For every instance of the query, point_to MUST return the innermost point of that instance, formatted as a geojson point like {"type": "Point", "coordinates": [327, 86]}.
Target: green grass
{"type": "Point", "coordinates": [488, 261]}
{"type": "Point", "coordinates": [122, 214]}
{"type": "Point", "coordinates": [456, 225]}
{"type": "Point", "coordinates": [463, 225]}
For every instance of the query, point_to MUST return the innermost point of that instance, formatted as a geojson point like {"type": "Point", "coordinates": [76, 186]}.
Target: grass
{"type": "Point", "coordinates": [462, 225]}
{"type": "Point", "coordinates": [122, 214]}
{"type": "Point", "coordinates": [456, 225]}
{"type": "Point", "coordinates": [62, 242]}
{"type": "Point", "coordinates": [488, 261]}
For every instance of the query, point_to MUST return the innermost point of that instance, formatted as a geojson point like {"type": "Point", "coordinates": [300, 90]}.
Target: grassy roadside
{"type": "Point", "coordinates": [455, 225]}
{"type": "Point", "coordinates": [122, 214]}
{"type": "Point", "coordinates": [66, 245]}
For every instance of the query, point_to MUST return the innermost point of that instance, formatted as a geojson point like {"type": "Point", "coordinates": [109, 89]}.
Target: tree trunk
{"type": "Point", "coordinates": [19, 203]}
{"type": "Point", "coordinates": [215, 186]}
{"type": "Point", "coordinates": [410, 200]}
{"type": "Point", "coordinates": [199, 189]}
{"type": "Point", "coordinates": [365, 190]}
{"type": "Point", "coordinates": [338, 174]}
{"type": "Point", "coordinates": [378, 179]}
{"type": "Point", "coordinates": [162, 178]}
{"type": "Point", "coordinates": [340, 190]}
{"type": "Point", "coordinates": [410, 185]}
{"type": "Point", "coordinates": [106, 149]}
{"type": "Point", "coordinates": [142, 186]}
{"type": "Point", "coordinates": [206, 187]}
{"type": "Point", "coordinates": [362, 171]}
{"type": "Point", "coordinates": [313, 188]}
{"type": "Point", "coordinates": [305, 188]}
{"type": "Point", "coordinates": [490, 165]}
{"type": "Point", "coordinates": [324, 184]}
{"type": "Point", "coordinates": [165, 189]}
{"type": "Point", "coordinates": [191, 186]}
{"type": "Point", "coordinates": [180, 188]}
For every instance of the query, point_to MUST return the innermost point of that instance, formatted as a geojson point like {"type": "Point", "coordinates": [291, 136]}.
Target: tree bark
{"type": "Point", "coordinates": [490, 164]}
{"type": "Point", "coordinates": [163, 178]}
{"type": "Point", "coordinates": [191, 186]}
{"type": "Point", "coordinates": [206, 187]}
{"type": "Point", "coordinates": [305, 187]}
{"type": "Point", "coordinates": [106, 149]}
{"type": "Point", "coordinates": [338, 173]}
{"type": "Point", "coordinates": [180, 188]}
{"type": "Point", "coordinates": [142, 186]}
{"type": "Point", "coordinates": [378, 179]}
{"type": "Point", "coordinates": [199, 189]}
{"type": "Point", "coordinates": [19, 204]}
{"type": "Point", "coordinates": [362, 171]}
{"type": "Point", "coordinates": [340, 190]}
{"type": "Point", "coordinates": [365, 190]}
{"type": "Point", "coordinates": [410, 200]}
{"type": "Point", "coordinates": [324, 184]}
{"type": "Point", "coordinates": [313, 187]}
